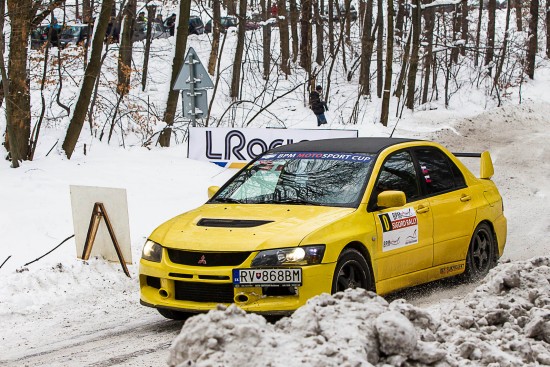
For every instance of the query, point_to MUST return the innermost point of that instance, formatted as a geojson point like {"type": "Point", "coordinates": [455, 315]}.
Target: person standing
{"type": "Point", "coordinates": [171, 24]}
{"type": "Point", "coordinates": [317, 105]}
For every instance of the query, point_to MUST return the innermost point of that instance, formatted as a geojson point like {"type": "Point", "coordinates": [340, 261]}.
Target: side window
{"type": "Point", "coordinates": [398, 173]}
{"type": "Point", "coordinates": [439, 172]}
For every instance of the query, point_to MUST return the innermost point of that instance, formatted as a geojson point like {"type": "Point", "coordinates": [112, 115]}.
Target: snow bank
{"type": "Point", "coordinates": [504, 322]}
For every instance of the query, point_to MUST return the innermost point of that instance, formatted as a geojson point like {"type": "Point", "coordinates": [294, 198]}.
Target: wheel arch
{"type": "Point", "coordinates": [358, 246]}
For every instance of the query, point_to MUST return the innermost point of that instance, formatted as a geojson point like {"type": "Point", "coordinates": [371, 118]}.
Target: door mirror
{"type": "Point", "coordinates": [391, 199]}
{"type": "Point", "coordinates": [486, 169]}
{"type": "Point", "coordinates": [212, 190]}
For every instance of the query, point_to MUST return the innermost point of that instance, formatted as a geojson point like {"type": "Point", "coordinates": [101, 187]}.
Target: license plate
{"type": "Point", "coordinates": [267, 277]}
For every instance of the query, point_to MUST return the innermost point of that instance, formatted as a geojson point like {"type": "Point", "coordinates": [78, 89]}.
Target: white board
{"type": "Point", "coordinates": [83, 199]}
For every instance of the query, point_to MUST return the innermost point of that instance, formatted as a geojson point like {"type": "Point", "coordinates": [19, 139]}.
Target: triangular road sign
{"type": "Point", "coordinates": [202, 79]}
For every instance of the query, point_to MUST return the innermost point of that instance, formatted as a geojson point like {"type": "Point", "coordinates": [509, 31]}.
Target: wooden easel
{"type": "Point", "coordinates": [97, 213]}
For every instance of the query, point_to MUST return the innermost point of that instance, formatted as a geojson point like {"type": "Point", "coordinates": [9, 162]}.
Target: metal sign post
{"type": "Point", "coordinates": [192, 81]}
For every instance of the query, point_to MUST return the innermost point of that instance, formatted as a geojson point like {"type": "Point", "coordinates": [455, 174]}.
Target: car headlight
{"type": "Point", "coordinates": [152, 251]}
{"type": "Point", "coordinates": [306, 255]}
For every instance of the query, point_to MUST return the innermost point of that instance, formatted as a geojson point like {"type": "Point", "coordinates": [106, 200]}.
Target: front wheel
{"type": "Point", "coordinates": [481, 253]}
{"type": "Point", "coordinates": [352, 271]}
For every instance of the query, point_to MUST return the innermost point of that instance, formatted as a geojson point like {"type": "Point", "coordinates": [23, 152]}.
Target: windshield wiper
{"type": "Point", "coordinates": [228, 200]}
{"type": "Point", "coordinates": [296, 201]}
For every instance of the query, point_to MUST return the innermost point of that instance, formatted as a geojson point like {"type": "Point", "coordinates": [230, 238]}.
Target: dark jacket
{"type": "Point", "coordinates": [316, 104]}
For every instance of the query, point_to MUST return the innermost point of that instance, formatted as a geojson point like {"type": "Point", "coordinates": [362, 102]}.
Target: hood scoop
{"type": "Point", "coordinates": [231, 223]}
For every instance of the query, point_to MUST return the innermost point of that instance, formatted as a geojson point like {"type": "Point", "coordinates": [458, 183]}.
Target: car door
{"type": "Point", "coordinates": [451, 203]}
{"type": "Point", "coordinates": [404, 234]}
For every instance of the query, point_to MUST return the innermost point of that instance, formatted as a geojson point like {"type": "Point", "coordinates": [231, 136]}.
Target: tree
{"type": "Point", "coordinates": [464, 17]}
{"type": "Point", "coordinates": [237, 61]}
{"type": "Point", "coordinates": [491, 9]}
{"type": "Point", "coordinates": [389, 62]}
{"type": "Point", "coordinates": [23, 16]}
{"type": "Point", "coordinates": [126, 48]}
{"type": "Point", "coordinates": [216, 17]}
{"type": "Point", "coordinates": [177, 63]}
{"type": "Point", "coordinates": [318, 32]}
{"type": "Point", "coordinates": [379, 47]}
{"type": "Point", "coordinates": [266, 32]}
{"type": "Point", "coordinates": [305, 42]}
{"type": "Point", "coordinates": [367, 44]}
{"type": "Point", "coordinates": [413, 66]}
{"type": "Point", "coordinates": [283, 35]}
{"type": "Point", "coordinates": [90, 75]}
{"type": "Point", "coordinates": [547, 28]}
{"type": "Point", "coordinates": [533, 38]}
{"type": "Point", "coordinates": [294, 15]}
{"type": "Point", "coordinates": [429, 20]}
{"type": "Point", "coordinates": [151, 11]}
{"type": "Point", "coordinates": [519, 20]}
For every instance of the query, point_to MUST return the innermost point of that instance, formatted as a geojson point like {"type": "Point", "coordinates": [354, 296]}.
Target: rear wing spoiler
{"type": "Point", "coordinates": [486, 169]}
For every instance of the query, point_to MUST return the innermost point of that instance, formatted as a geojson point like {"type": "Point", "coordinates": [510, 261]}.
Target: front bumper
{"type": "Point", "coordinates": [198, 289]}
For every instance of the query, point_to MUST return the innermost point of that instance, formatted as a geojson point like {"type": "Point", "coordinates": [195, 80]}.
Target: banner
{"type": "Point", "coordinates": [233, 148]}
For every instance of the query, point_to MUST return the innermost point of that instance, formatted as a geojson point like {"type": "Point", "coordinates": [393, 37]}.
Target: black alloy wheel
{"type": "Point", "coordinates": [481, 253]}
{"type": "Point", "coordinates": [174, 315]}
{"type": "Point", "coordinates": [352, 271]}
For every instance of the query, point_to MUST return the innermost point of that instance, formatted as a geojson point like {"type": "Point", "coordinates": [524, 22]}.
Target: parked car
{"type": "Point", "coordinates": [196, 26]}
{"type": "Point", "coordinates": [157, 31]}
{"type": "Point", "coordinates": [76, 34]}
{"type": "Point", "coordinates": [39, 36]}
{"type": "Point", "coordinates": [324, 216]}
{"type": "Point", "coordinates": [230, 21]}
{"type": "Point", "coordinates": [337, 13]}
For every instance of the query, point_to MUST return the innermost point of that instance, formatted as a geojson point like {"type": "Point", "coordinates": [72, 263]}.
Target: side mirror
{"type": "Point", "coordinates": [391, 199]}
{"type": "Point", "coordinates": [212, 190]}
{"type": "Point", "coordinates": [486, 169]}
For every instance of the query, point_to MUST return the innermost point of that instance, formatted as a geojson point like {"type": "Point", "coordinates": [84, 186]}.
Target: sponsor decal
{"type": "Point", "coordinates": [451, 269]}
{"type": "Point", "coordinates": [351, 157]}
{"type": "Point", "coordinates": [399, 229]}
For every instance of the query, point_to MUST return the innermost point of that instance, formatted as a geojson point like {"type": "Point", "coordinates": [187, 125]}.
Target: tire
{"type": "Point", "coordinates": [481, 253]}
{"type": "Point", "coordinates": [352, 271]}
{"type": "Point", "coordinates": [174, 315]}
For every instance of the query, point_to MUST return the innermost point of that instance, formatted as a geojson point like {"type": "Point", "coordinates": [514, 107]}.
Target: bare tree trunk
{"type": "Point", "coordinates": [519, 16]}
{"type": "Point", "coordinates": [548, 28]}
{"type": "Point", "coordinates": [331, 26]}
{"type": "Point", "coordinates": [87, 11]}
{"type": "Point", "coordinates": [266, 38]}
{"type": "Point", "coordinates": [456, 29]}
{"type": "Point", "coordinates": [2, 42]}
{"type": "Point", "coordinates": [348, 21]}
{"type": "Point", "coordinates": [464, 18]}
{"type": "Point", "coordinates": [367, 44]}
{"type": "Point", "coordinates": [216, 17]}
{"type": "Point", "coordinates": [319, 58]}
{"type": "Point", "coordinates": [490, 52]}
{"type": "Point", "coordinates": [504, 46]}
{"type": "Point", "coordinates": [380, 48]}
{"type": "Point", "coordinates": [126, 48]}
{"type": "Point", "coordinates": [533, 38]}
{"type": "Point", "coordinates": [283, 34]}
{"type": "Point", "coordinates": [90, 76]}
{"type": "Point", "coordinates": [294, 15]}
{"type": "Point", "coordinates": [231, 7]}
{"type": "Point", "coordinates": [413, 68]}
{"type": "Point", "coordinates": [305, 41]}
{"type": "Point", "coordinates": [19, 99]}
{"type": "Point", "coordinates": [404, 64]}
{"type": "Point", "coordinates": [177, 63]}
{"type": "Point", "coordinates": [389, 62]}
{"type": "Point", "coordinates": [238, 60]}
{"type": "Point", "coordinates": [478, 32]}
{"type": "Point", "coordinates": [429, 16]}
{"type": "Point", "coordinates": [400, 18]}
{"type": "Point", "coordinates": [9, 106]}
{"type": "Point", "coordinates": [151, 10]}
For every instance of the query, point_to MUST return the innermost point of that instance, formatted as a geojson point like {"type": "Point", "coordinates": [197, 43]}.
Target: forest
{"type": "Point", "coordinates": [116, 85]}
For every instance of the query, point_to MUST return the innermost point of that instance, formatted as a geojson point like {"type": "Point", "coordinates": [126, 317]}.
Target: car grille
{"type": "Point", "coordinates": [204, 292]}
{"type": "Point", "coordinates": [207, 258]}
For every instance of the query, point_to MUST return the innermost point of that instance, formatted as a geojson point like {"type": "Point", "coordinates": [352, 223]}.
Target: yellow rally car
{"type": "Point", "coordinates": [322, 216]}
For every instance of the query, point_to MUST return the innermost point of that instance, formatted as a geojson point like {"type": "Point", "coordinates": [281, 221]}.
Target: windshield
{"type": "Point", "coordinates": [309, 178]}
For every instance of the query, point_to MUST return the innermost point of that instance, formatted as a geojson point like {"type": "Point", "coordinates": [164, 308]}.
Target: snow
{"type": "Point", "coordinates": [61, 311]}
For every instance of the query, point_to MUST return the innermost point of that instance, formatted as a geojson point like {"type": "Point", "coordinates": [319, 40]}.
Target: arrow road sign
{"type": "Point", "coordinates": [201, 78]}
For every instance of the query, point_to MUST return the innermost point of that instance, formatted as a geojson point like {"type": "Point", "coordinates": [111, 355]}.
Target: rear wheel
{"type": "Point", "coordinates": [174, 315]}
{"type": "Point", "coordinates": [352, 271]}
{"type": "Point", "coordinates": [481, 253]}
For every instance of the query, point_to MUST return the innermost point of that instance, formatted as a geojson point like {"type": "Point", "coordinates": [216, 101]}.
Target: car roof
{"type": "Point", "coordinates": [345, 145]}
